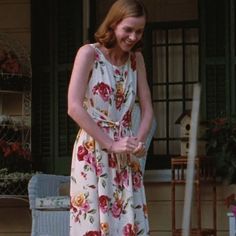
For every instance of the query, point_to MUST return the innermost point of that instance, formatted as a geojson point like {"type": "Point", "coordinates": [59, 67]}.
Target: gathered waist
{"type": "Point", "coordinates": [105, 121]}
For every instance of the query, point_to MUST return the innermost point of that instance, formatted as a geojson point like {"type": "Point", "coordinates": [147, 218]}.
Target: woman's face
{"type": "Point", "coordinates": [129, 31]}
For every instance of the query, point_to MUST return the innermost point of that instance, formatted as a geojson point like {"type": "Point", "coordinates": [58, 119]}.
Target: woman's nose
{"type": "Point", "coordinates": [133, 36]}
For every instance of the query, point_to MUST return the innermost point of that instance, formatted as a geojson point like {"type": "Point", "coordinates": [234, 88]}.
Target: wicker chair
{"type": "Point", "coordinates": [50, 210]}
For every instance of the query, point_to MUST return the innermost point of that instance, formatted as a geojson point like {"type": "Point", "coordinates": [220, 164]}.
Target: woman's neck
{"type": "Point", "coordinates": [116, 56]}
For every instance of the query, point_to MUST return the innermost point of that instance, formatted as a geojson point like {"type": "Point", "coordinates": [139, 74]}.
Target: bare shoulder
{"type": "Point", "coordinates": [139, 58]}
{"type": "Point", "coordinates": [86, 52]}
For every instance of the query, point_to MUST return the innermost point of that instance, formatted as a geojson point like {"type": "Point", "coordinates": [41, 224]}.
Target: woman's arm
{"type": "Point", "coordinates": [78, 84]}
{"type": "Point", "coordinates": [144, 99]}
{"type": "Point", "coordinates": [82, 68]}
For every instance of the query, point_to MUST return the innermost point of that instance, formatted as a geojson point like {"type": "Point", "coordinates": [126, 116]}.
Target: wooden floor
{"type": "Point", "coordinates": [15, 218]}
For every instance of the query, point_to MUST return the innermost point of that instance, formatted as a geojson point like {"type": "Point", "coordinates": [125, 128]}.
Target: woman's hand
{"type": "Point", "coordinates": [124, 145]}
{"type": "Point", "coordinates": [140, 150]}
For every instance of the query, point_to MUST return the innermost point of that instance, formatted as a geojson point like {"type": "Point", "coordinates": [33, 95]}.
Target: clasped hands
{"type": "Point", "coordinates": [129, 145]}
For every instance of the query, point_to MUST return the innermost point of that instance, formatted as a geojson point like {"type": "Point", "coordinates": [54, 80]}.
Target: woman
{"type": "Point", "coordinates": [107, 192]}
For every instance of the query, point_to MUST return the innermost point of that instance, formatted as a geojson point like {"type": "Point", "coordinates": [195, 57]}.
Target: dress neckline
{"type": "Point", "coordinates": [113, 65]}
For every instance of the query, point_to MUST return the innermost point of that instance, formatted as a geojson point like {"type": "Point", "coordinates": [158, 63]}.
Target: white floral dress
{"type": "Point", "coordinates": [107, 192]}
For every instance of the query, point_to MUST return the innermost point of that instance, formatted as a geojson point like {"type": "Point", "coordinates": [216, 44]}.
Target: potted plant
{"type": "Point", "coordinates": [221, 145]}
{"type": "Point", "coordinates": [15, 168]}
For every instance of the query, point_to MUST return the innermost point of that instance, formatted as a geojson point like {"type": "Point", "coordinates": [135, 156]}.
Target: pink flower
{"type": "Point", "coordinates": [136, 177]}
{"type": "Point", "coordinates": [112, 160]}
{"type": "Point", "coordinates": [126, 119]}
{"type": "Point", "coordinates": [97, 58]}
{"type": "Point", "coordinates": [125, 178]}
{"type": "Point", "coordinates": [103, 90]}
{"type": "Point", "coordinates": [82, 151]}
{"type": "Point", "coordinates": [117, 72]}
{"type": "Point", "coordinates": [117, 208]}
{"type": "Point", "coordinates": [98, 169]}
{"type": "Point", "coordinates": [90, 158]}
{"type": "Point", "coordinates": [85, 206]}
{"type": "Point", "coordinates": [119, 100]}
{"type": "Point", "coordinates": [129, 230]}
{"type": "Point", "coordinates": [103, 203]}
{"type": "Point", "coordinates": [93, 233]}
{"type": "Point", "coordinates": [234, 210]}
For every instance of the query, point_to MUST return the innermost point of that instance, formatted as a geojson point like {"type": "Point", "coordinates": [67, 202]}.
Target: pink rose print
{"type": "Point", "coordinates": [112, 160]}
{"type": "Point", "coordinates": [127, 119]}
{"type": "Point", "coordinates": [125, 178]}
{"type": "Point", "coordinates": [125, 74]}
{"type": "Point", "coordinates": [90, 159]}
{"type": "Point", "coordinates": [103, 203]}
{"type": "Point", "coordinates": [93, 233]}
{"type": "Point", "coordinates": [119, 100]}
{"type": "Point", "coordinates": [122, 179]}
{"type": "Point", "coordinates": [82, 151]}
{"type": "Point", "coordinates": [103, 90]}
{"type": "Point", "coordinates": [118, 179]}
{"type": "Point", "coordinates": [117, 208]}
{"type": "Point", "coordinates": [117, 72]}
{"type": "Point", "coordinates": [136, 177]}
{"type": "Point", "coordinates": [97, 58]}
{"type": "Point", "coordinates": [98, 169]}
{"type": "Point", "coordinates": [129, 230]}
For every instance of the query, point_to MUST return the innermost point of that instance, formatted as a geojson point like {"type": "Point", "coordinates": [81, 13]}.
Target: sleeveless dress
{"type": "Point", "coordinates": [107, 192]}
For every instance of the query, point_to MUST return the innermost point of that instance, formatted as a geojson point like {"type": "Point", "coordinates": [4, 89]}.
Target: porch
{"type": "Point", "coordinates": [15, 218]}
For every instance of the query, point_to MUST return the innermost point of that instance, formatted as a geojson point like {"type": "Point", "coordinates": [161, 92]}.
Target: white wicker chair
{"type": "Point", "coordinates": [50, 210]}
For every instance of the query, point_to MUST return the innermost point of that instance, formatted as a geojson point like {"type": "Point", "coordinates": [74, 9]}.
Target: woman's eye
{"type": "Point", "coordinates": [128, 30]}
{"type": "Point", "coordinates": [139, 32]}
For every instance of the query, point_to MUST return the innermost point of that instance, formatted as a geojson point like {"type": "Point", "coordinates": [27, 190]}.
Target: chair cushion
{"type": "Point", "coordinates": [64, 189]}
{"type": "Point", "coordinates": [53, 203]}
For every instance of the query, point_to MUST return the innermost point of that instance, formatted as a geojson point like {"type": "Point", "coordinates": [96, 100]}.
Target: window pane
{"type": "Point", "coordinates": [159, 36]}
{"type": "Point", "coordinates": [174, 147]}
{"type": "Point", "coordinates": [175, 36]}
{"type": "Point", "coordinates": [191, 63]}
{"type": "Point", "coordinates": [159, 65]}
{"type": "Point", "coordinates": [160, 148]}
{"type": "Point", "coordinates": [160, 114]}
{"type": "Point", "coordinates": [159, 92]}
{"type": "Point", "coordinates": [191, 35]}
{"type": "Point", "coordinates": [175, 91]}
{"type": "Point", "coordinates": [175, 59]}
{"type": "Point", "coordinates": [189, 91]}
{"type": "Point", "coordinates": [175, 110]}
{"type": "Point", "coordinates": [188, 105]}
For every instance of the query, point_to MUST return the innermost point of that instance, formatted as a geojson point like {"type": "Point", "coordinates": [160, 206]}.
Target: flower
{"type": "Point", "coordinates": [230, 202]}
{"type": "Point", "coordinates": [104, 203]}
{"type": "Point", "coordinates": [221, 144]}
{"type": "Point", "coordinates": [15, 157]}
{"type": "Point", "coordinates": [104, 90]}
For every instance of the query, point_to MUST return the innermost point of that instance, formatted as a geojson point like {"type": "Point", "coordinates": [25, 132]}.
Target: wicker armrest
{"type": "Point", "coordinates": [45, 185]}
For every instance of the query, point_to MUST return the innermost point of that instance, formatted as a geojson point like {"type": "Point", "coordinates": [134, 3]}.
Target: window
{"type": "Point", "coordinates": [56, 36]}
{"type": "Point", "coordinates": [173, 69]}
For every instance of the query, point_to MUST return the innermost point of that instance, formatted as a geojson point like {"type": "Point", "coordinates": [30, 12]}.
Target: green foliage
{"type": "Point", "coordinates": [221, 144]}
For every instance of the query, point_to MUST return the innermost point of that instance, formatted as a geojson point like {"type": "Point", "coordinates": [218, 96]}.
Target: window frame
{"type": "Point", "coordinates": [155, 162]}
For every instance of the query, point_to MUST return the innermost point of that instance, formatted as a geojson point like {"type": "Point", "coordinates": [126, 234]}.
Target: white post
{"type": "Point", "coordinates": [191, 160]}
